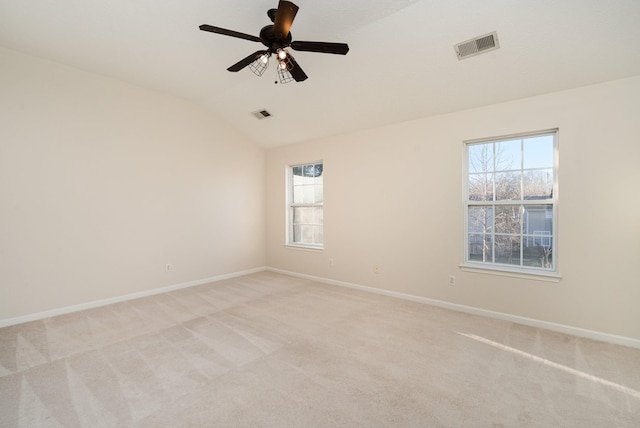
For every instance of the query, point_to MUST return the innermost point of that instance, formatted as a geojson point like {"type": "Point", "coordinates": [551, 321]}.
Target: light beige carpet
{"type": "Point", "coordinates": [268, 350]}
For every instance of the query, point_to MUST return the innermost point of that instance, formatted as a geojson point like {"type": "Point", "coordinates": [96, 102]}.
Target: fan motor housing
{"type": "Point", "coordinates": [272, 40]}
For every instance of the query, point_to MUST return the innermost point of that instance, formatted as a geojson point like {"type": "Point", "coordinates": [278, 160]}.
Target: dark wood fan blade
{"type": "Point", "coordinates": [231, 33]}
{"type": "Point", "coordinates": [323, 47]}
{"type": "Point", "coordinates": [284, 18]}
{"type": "Point", "coordinates": [246, 61]}
{"type": "Point", "coordinates": [296, 72]}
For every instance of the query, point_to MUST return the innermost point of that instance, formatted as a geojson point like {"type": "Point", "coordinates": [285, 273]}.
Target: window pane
{"type": "Point", "coordinates": [319, 194]}
{"type": "Point", "coordinates": [297, 194]}
{"type": "Point", "coordinates": [481, 187]}
{"type": "Point", "coordinates": [538, 152]}
{"type": "Point", "coordinates": [297, 234]}
{"type": "Point", "coordinates": [312, 170]}
{"type": "Point", "coordinates": [480, 219]}
{"type": "Point", "coordinates": [480, 248]}
{"type": "Point", "coordinates": [537, 256]}
{"type": "Point", "coordinates": [507, 219]}
{"type": "Point", "coordinates": [480, 157]}
{"type": "Point", "coordinates": [508, 155]}
{"type": "Point", "coordinates": [318, 215]}
{"type": "Point", "coordinates": [302, 215]}
{"type": "Point", "coordinates": [508, 249]}
{"type": "Point", "coordinates": [312, 180]}
{"type": "Point", "coordinates": [318, 236]}
{"type": "Point", "coordinates": [308, 171]}
{"type": "Point", "coordinates": [538, 184]}
{"type": "Point", "coordinates": [308, 195]}
{"type": "Point", "coordinates": [538, 220]}
{"type": "Point", "coordinates": [306, 234]}
{"type": "Point", "coordinates": [538, 224]}
{"type": "Point", "coordinates": [308, 215]}
{"type": "Point", "coordinates": [508, 186]}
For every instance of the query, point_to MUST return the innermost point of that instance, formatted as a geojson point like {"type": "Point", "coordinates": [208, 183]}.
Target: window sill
{"type": "Point", "coordinates": [499, 271]}
{"type": "Point", "coordinates": [304, 247]}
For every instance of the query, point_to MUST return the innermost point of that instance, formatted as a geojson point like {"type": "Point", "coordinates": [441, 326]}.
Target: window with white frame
{"type": "Point", "coordinates": [511, 203]}
{"type": "Point", "coordinates": [305, 219]}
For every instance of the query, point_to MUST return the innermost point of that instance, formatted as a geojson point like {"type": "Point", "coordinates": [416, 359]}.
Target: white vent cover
{"type": "Point", "coordinates": [261, 114]}
{"type": "Point", "coordinates": [477, 45]}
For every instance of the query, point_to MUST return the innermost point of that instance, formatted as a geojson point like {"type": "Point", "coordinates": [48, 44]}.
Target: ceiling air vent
{"type": "Point", "coordinates": [261, 114]}
{"type": "Point", "coordinates": [477, 45]}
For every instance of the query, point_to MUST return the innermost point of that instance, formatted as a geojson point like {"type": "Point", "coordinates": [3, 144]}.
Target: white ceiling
{"type": "Point", "coordinates": [401, 64]}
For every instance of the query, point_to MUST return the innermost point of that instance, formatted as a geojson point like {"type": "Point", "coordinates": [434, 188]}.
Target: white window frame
{"type": "Point", "coordinates": [548, 274]}
{"type": "Point", "coordinates": [291, 206]}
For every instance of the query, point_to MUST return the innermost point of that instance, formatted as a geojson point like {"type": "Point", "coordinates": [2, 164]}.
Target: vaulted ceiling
{"type": "Point", "coordinates": [401, 64]}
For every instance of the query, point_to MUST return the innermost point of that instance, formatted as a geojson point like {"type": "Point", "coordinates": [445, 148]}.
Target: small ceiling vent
{"type": "Point", "coordinates": [477, 45]}
{"type": "Point", "coordinates": [261, 114]}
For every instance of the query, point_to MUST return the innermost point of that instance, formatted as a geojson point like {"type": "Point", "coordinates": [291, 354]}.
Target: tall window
{"type": "Point", "coordinates": [511, 203]}
{"type": "Point", "coordinates": [306, 205]}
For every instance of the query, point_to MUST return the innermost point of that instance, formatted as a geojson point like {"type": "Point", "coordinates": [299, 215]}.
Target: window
{"type": "Point", "coordinates": [305, 226]}
{"type": "Point", "coordinates": [510, 203]}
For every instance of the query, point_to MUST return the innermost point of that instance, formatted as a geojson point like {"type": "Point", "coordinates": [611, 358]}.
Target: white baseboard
{"type": "Point", "coordinates": [560, 328]}
{"type": "Point", "coordinates": [574, 331]}
{"type": "Point", "coordinates": [97, 303]}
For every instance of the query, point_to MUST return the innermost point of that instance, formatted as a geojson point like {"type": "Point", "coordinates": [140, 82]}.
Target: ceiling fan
{"type": "Point", "coordinates": [277, 38]}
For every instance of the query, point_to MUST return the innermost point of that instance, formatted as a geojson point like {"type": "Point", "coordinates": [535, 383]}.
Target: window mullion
{"type": "Point", "coordinates": [521, 212]}
{"type": "Point", "coordinates": [493, 230]}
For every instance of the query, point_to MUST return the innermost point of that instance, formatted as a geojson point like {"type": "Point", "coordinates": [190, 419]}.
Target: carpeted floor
{"type": "Point", "coordinates": [268, 350]}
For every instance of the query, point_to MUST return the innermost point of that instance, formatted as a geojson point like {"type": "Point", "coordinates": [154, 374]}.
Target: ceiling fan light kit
{"type": "Point", "coordinates": [284, 76]}
{"type": "Point", "coordinates": [260, 64]}
{"type": "Point", "coordinates": [277, 38]}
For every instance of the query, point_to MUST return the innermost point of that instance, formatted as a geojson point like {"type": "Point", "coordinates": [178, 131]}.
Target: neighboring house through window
{"type": "Point", "coordinates": [305, 201]}
{"type": "Point", "coordinates": [511, 203]}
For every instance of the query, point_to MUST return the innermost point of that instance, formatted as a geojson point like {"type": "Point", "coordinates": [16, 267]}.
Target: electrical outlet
{"type": "Point", "coordinates": [331, 263]}
{"type": "Point", "coordinates": [168, 268]}
{"type": "Point", "coordinates": [376, 268]}
{"type": "Point", "coordinates": [452, 280]}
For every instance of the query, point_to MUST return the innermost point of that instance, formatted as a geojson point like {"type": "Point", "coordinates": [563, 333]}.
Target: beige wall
{"type": "Point", "coordinates": [393, 197]}
{"type": "Point", "coordinates": [102, 184]}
